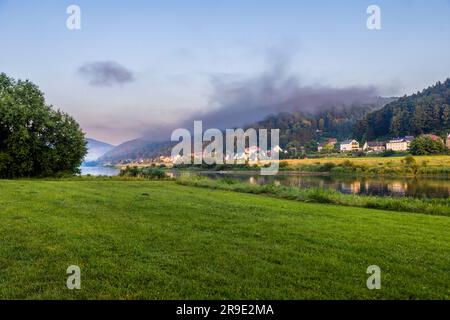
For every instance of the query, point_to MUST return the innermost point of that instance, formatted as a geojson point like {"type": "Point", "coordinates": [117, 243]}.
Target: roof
{"type": "Point", "coordinates": [330, 141]}
{"type": "Point", "coordinates": [402, 139]}
{"type": "Point", "coordinates": [376, 143]}
{"type": "Point", "coordinates": [348, 141]}
{"type": "Point", "coordinates": [432, 137]}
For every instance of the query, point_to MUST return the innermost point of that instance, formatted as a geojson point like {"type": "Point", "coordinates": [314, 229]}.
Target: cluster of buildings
{"type": "Point", "coordinates": [397, 144]}
{"type": "Point", "coordinates": [254, 153]}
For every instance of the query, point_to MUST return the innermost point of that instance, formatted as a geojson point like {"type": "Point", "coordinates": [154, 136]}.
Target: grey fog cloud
{"type": "Point", "coordinates": [105, 73]}
{"type": "Point", "coordinates": [237, 101]}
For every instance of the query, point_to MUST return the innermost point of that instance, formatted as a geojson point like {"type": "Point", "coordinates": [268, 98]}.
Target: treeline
{"type": "Point", "coordinates": [299, 129]}
{"type": "Point", "coordinates": [424, 112]}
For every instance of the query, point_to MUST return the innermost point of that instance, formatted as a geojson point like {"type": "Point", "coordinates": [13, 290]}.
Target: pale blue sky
{"type": "Point", "coordinates": [173, 48]}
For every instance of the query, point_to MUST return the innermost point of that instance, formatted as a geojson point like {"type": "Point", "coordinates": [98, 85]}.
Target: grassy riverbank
{"type": "Point", "coordinates": [363, 166]}
{"type": "Point", "coordinates": [160, 240]}
{"type": "Point", "coordinates": [426, 206]}
{"type": "Point", "coordinates": [393, 166]}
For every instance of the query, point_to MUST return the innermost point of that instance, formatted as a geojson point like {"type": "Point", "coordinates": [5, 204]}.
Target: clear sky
{"type": "Point", "coordinates": [165, 54]}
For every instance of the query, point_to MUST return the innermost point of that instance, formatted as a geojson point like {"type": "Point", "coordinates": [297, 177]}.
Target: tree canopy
{"type": "Point", "coordinates": [424, 145]}
{"type": "Point", "coordinates": [35, 139]}
{"type": "Point", "coordinates": [299, 128]}
{"type": "Point", "coordinates": [424, 112]}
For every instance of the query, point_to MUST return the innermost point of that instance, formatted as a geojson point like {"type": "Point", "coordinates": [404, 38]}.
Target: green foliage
{"type": "Point", "coordinates": [311, 146]}
{"type": "Point", "coordinates": [284, 165]}
{"type": "Point", "coordinates": [300, 128]}
{"type": "Point", "coordinates": [35, 140]}
{"type": "Point", "coordinates": [425, 112]}
{"type": "Point", "coordinates": [151, 173]}
{"type": "Point", "coordinates": [427, 206]}
{"type": "Point", "coordinates": [407, 166]}
{"type": "Point", "coordinates": [388, 153]}
{"type": "Point", "coordinates": [410, 164]}
{"type": "Point", "coordinates": [424, 145]}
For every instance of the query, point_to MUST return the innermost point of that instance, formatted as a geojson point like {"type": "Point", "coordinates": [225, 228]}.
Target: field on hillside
{"type": "Point", "coordinates": [432, 161]}
{"type": "Point", "coordinates": [160, 240]}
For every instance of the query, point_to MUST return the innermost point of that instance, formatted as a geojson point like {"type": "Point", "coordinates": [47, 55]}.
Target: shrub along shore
{"type": "Point", "coordinates": [408, 166]}
{"type": "Point", "coordinates": [328, 196]}
{"type": "Point", "coordinates": [434, 166]}
{"type": "Point", "coordinates": [317, 195]}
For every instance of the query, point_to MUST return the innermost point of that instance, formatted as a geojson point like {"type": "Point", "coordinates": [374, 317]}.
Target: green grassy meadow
{"type": "Point", "coordinates": [161, 240]}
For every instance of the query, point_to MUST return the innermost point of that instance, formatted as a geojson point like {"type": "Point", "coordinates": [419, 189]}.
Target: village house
{"type": "Point", "coordinates": [329, 144]}
{"type": "Point", "coordinates": [253, 153]}
{"type": "Point", "coordinates": [277, 149]}
{"type": "Point", "coordinates": [375, 146]}
{"type": "Point", "coordinates": [349, 145]}
{"type": "Point", "coordinates": [399, 144]}
{"type": "Point", "coordinates": [448, 141]}
{"type": "Point", "coordinates": [433, 137]}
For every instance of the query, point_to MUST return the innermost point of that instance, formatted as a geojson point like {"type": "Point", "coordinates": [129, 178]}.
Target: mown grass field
{"type": "Point", "coordinates": [160, 240]}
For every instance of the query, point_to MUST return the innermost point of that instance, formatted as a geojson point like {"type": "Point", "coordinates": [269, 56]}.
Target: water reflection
{"type": "Point", "coordinates": [99, 171]}
{"type": "Point", "coordinates": [380, 186]}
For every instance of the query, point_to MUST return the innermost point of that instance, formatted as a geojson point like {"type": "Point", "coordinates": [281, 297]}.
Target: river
{"type": "Point", "coordinates": [99, 171]}
{"type": "Point", "coordinates": [380, 186]}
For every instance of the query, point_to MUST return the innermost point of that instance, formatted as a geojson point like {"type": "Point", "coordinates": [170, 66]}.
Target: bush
{"type": "Point", "coordinates": [425, 145]}
{"type": "Point", "coordinates": [283, 165]}
{"type": "Point", "coordinates": [388, 153]}
{"type": "Point", "coordinates": [146, 173]}
{"type": "Point", "coordinates": [328, 196]}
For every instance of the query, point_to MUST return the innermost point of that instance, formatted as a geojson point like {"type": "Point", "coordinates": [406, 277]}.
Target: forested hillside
{"type": "Point", "coordinates": [297, 129]}
{"type": "Point", "coordinates": [137, 149]}
{"type": "Point", "coordinates": [424, 112]}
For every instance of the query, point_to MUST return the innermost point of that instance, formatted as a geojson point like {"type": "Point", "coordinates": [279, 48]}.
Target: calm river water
{"type": "Point", "coordinates": [381, 186]}
{"type": "Point", "coordinates": [100, 171]}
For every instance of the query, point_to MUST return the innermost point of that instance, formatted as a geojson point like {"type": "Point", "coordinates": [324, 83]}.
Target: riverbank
{"type": "Point", "coordinates": [405, 166]}
{"type": "Point", "coordinates": [159, 240]}
{"type": "Point", "coordinates": [374, 166]}
{"type": "Point", "coordinates": [318, 195]}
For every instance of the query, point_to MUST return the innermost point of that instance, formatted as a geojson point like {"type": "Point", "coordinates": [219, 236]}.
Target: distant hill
{"type": "Point", "coordinates": [96, 149]}
{"type": "Point", "coordinates": [424, 112]}
{"type": "Point", "coordinates": [299, 128]}
{"type": "Point", "coordinates": [137, 149]}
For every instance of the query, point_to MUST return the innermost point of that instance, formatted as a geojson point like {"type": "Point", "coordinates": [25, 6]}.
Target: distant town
{"type": "Point", "coordinates": [330, 147]}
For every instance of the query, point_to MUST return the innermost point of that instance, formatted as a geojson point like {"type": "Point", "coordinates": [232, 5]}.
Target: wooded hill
{"type": "Point", "coordinates": [299, 128]}
{"type": "Point", "coordinates": [424, 112]}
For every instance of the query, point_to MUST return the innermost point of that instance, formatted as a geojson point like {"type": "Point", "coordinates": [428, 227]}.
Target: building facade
{"type": "Point", "coordinates": [399, 144]}
{"type": "Point", "coordinates": [349, 145]}
{"type": "Point", "coordinates": [329, 144]}
{"type": "Point", "coordinates": [376, 146]}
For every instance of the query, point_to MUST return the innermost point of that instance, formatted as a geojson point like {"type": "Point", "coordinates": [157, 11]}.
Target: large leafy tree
{"type": "Point", "coordinates": [424, 145]}
{"type": "Point", "coordinates": [35, 139]}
